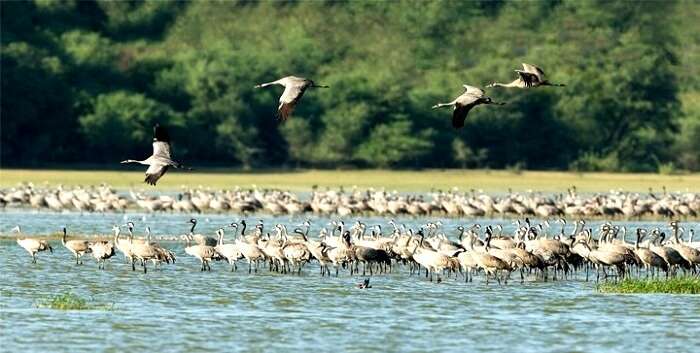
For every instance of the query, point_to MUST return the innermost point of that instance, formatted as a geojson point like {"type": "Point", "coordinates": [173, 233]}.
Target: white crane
{"type": "Point", "coordinates": [294, 88]}
{"type": "Point", "coordinates": [530, 76]}
{"type": "Point", "coordinates": [471, 97]}
{"type": "Point", "coordinates": [229, 252]}
{"type": "Point", "coordinates": [159, 162]}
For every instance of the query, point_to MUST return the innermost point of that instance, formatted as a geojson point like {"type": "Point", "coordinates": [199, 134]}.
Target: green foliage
{"type": "Point", "coordinates": [678, 285]}
{"type": "Point", "coordinates": [591, 162]}
{"type": "Point", "coordinates": [78, 73]}
{"type": "Point", "coordinates": [668, 169]}
{"type": "Point", "coordinates": [125, 117]}
{"type": "Point", "coordinates": [129, 19]}
{"type": "Point", "coordinates": [516, 168]}
{"type": "Point", "coordinates": [70, 301]}
{"type": "Point", "coordinates": [687, 144]}
{"type": "Point", "coordinates": [88, 48]}
{"type": "Point", "coordinates": [466, 156]}
{"type": "Point", "coordinates": [392, 144]}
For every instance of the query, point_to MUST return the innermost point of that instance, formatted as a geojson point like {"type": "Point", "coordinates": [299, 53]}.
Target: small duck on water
{"type": "Point", "coordinates": [364, 285]}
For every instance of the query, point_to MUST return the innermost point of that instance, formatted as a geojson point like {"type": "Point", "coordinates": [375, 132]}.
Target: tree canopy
{"type": "Point", "coordinates": [85, 81]}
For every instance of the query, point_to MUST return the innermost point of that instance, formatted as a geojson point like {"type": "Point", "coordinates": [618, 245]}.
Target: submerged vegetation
{"type": "Point", "coordinates": [107, 70]}
{"type": "Point", "coordinates": [678, 285]}
{"type": "Point", "coordinates": [71, 301]}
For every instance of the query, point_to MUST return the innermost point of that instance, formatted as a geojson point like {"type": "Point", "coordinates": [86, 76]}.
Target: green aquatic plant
{"type": "Point", "coordinates": [679, 285]}
{"type": "Point", "coordinates": [70, 301]}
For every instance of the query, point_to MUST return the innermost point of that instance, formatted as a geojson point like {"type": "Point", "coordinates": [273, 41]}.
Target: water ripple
{"type": "Point", "coordinates": [181, 309]}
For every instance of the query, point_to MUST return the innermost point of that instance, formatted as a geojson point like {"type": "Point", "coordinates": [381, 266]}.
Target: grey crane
{"type": "Point", "coordinates": [101, 251]}
{"type": "Point", "coordinates": [159, 162]}
{"type": "Point", "coordinates": [77, 247]}
{"type": "Point", "coordinates": [294, 88]}
{"type": "Point", "coordinates": [530, 76]}
{"type": "Point", "coordinates": [199, 238]}
{"type": "Point", "coordinates": [471, 97]}
{"type": "Point", "coordinates": [32, 245]}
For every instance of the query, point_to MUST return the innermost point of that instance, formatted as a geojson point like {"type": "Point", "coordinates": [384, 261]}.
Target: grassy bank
{"type": "Point", "coordinates": [302, 180]}
{"type": "Point", "coordinates": [680, 285]}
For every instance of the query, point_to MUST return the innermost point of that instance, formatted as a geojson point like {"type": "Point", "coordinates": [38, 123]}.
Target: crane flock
{"type": "Point", "coordinates": [340, 202]}
{"type": "Point", "coordinates": [474, 249]}
{"type": "Point", "coordinates": [545, 250]}
{"type": "Point", "coordinates": [294, 88]}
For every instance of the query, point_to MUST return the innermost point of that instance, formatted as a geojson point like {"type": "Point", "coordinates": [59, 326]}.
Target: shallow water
{"type": "Point", "coordinates": [182, 309]}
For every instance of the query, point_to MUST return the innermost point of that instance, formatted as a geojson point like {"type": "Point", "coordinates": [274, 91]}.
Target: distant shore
{"type": "Point", "coordinates": [402, 180]}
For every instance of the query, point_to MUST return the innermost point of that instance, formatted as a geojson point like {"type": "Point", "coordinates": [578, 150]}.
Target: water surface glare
{"type": "Point", "coordinates": [181, 309]}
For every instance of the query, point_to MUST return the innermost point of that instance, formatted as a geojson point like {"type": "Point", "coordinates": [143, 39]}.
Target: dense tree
{"type": "Point", "coordinates": [98, 74]}
{"type": "Point", "coordinates": [120, 123]}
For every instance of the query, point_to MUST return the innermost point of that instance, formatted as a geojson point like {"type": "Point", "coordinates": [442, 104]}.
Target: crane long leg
{"type": "Point", "coordinates": [266, 84]}
{"type": "Point", "coordinates": [440, 105]}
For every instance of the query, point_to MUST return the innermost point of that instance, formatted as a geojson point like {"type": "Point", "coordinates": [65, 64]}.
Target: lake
{"type": "Point", "coordinates": [181, 309]}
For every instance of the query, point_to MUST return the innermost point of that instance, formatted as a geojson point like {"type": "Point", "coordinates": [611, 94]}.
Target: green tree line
{"type": "Point", "coordinates": [83, 82]}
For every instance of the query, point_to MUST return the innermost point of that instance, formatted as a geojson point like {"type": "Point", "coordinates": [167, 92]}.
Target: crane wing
{"type": "Point", "coordinates": [460, 115]}
{"type": "Point", "coordinates": [288, 101]}
{"type": "Point", "coordinates": [160, 133]}
{"type": "Point", "coordinates": [155, 172]}
{"type": "Point", "coordinates": [534, 70]}
{"type": "Point", "coordinates": [292, 92]}
{"type": "Point", "coordinates": [527, 77]}
{"type": "Point", "coordinates": [161, 143]}
{"type": "Point", "coordinates": [474, 91]}
{"type": "Point", "coordinates": [463, 105]}
{"type": "Point", "coordinates": [285, 110]}
{"type": "Point", "coordinates": [161, 150]}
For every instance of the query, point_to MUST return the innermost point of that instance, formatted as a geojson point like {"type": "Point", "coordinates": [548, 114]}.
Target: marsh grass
{"type": "Point", "coordinates": [70, 301]}
{"type": "Point", "coordinates": [679, 285]}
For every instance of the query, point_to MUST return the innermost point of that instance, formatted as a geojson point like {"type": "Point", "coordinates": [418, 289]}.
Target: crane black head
{"type": "Point", "coordinates": [314, 85]}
